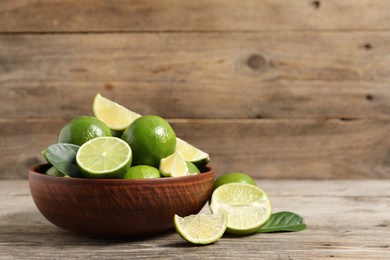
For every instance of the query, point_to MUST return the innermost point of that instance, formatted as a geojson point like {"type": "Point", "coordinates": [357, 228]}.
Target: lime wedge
{"type": "Point", "coordinates": [191, 153]}
{"type": "Point", "coordinates": [115, 116]}
{"type": "Point", "coordinates": [201, 228]}
{"type": "Point", "coordinates": [174, 165]}
{"type": "Point", "coordinates": [192, 169]}
{"type": "Point", "coordinates": [104, 157]}
{"type": "Point", "coordinates": [247, 207]}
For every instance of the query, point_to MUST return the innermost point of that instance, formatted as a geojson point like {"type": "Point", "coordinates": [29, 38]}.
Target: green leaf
{"type": "Point", "coordinates": [283, 221]}
{"type": "Point", "coordinates": [63, 157]}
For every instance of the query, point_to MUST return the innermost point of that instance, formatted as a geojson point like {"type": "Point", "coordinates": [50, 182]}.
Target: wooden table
{"type": "Point", "coordinates": [346, 219]}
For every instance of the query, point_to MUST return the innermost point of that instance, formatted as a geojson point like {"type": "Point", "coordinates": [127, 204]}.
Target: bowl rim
{"type": "Point", "coordinates": [34, 172]}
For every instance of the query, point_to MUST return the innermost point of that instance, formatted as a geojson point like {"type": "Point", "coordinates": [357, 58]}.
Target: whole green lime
{"type": "Point", "coordinates": [151, 138]}
{"type": "Point", "coordinates": [82, 129]}
{"type": "Point", "coordinates": [142, 172]}
{"type": "Point", "coordinates": [233, 177]}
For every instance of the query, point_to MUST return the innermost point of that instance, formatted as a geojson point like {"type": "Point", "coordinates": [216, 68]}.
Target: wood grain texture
{"type": "Point", "coordinates": [176, 15]}
{"type": "Point", "coordinates": [278, 89]}
{"type": "Point", "coordinates": [267, 148]}
{"type": "Point", "coordinates": [346, 220]}
{"type": "Point", "coordinates": [206, 75]}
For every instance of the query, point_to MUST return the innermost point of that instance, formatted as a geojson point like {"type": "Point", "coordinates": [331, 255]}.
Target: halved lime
{"type": "Point", "coordinates": [191, 153]}
{"type": "Point", "coordinates": [201, 228]}
{"type": "Point", "coordinates": [104, 157]}
{"type": "Point", "coordinates": [115, 116]}
{"type": "Point", "coordinates": [247, 206]}
{"type": "Point", "coordinates": [174, 165]}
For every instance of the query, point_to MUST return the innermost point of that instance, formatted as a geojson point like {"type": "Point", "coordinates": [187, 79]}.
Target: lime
{"type": "Point", "coordinates": [151, 138]}
{"type": "Point", "coordinates": [82, 129]}
{"type": "Point", "coordinates": [247, 206]}
{"type": "Point", "coordinates": [52, 171]}
{"type": "Point", "coordinates": [233, 177]}
{"type": "Point", "coordinates": [201, 228]}
{"type": "Point", "coordinates": [174, 165]}
{"type": "Point", "coordinates": [191, 153]}
{"type": "Point", "coordinates": [104, 157]}
{"type": "Point", "coordinates": [115, 116]}
{"type": "Point", "coordinates": [192, 169]}
{"type": "Point", "coordinates": [142, 172]}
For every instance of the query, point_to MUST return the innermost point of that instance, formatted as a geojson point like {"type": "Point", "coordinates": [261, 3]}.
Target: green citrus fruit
{"type": "Point", "coordinates": [151, 138]}
{"type": "Point", "coordinates": [201, 228]}
{"type": "Point", "coordinates": [82, 129]}
{"type": "Point", "coordinates": [192, 154]}
{"type": "Point", "coordinates": [192, 169]}
{"type": "Point", "coordinates": [233, 177]}
{"type": "Point", "coordinates": [115, 116]}
{"type": "Point", "coordinates": [104, 157]}
{"type": "Point", "coordinates": [142, 172]}
{"type": "Point", "coordinates": [247, 207]}
{"type": "Point", "coordinates": [174, 165]}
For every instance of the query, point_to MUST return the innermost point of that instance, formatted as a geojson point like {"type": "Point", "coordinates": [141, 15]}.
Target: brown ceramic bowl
{"type": "Point", "coordinates": [117, 208]}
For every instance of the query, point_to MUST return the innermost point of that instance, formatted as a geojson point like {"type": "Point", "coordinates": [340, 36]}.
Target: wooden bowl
{"type": "Point", "coordinates": [114, 207]}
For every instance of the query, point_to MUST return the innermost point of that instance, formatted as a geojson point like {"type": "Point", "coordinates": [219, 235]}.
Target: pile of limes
{"type": "Point", "coordinates": [119, 143]}
{"type": "Point", "coordinates": [238, 207]}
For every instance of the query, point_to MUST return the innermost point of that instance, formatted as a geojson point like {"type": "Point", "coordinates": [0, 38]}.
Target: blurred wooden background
{"type": "Point", "coordinates": [278, 89]}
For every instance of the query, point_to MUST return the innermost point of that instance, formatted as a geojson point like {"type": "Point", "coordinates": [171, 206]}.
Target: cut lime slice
{"type": "Point", "coordinates": [174, 165]}
{"type": "Point", "coordinates": [201, 228]}
{"type": "Point", "coordinates": [192, 169]}
{"type": "Point", "coordinates": [191, 153]}
{"type": "Point", "coordinates": [104, 157]}
{"type": "Point", "coordinates": [115, 116]}
{"type": "Point", "coordinates": [247, 206]}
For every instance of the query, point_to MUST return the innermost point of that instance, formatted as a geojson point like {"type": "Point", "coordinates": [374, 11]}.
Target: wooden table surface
{"type": "Point", "coordinates": [346, 219]}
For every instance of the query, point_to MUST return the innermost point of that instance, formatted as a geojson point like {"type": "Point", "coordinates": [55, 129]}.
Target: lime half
{"type": "Point", "coordinates": [191, 153]}
{"type": "Point", "coordinates": [174, 165]}
{"type": "Point", "coordinates": [201, 228]}
{"type": "Point", "coordinates": [104, 157]}
{"type": "Point", "coordinates": [247, 207]}
{"type": "Point", "coordinates": [115, 116]}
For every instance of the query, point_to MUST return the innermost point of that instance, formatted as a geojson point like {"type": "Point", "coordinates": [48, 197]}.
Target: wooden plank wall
{"type": "Point", "coordinates": [278, 89]}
